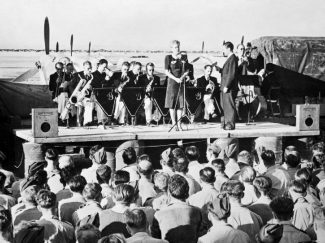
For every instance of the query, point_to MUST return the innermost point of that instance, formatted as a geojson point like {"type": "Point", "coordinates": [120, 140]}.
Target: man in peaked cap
{"type": "Point", "coordinates": [218, 212]}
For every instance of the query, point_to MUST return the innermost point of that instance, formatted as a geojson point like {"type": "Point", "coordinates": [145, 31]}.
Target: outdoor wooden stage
{"type": "Point", "coordinates": [195, 131]}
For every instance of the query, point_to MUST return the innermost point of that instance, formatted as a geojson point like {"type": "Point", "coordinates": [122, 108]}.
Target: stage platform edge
{"type": "Point", "coordinates": [195, 131]}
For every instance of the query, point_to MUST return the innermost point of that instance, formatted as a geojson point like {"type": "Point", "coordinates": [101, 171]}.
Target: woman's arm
{"type": "Point", "coordinates": [171, 76]}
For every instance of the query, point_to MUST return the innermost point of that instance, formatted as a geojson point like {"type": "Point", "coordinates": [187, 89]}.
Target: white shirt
{"type": "Point", "coordinates": [203, 197]}
{"type": "Point", "coordinates": [194, 168]}
{"type": "Point", "coordinates": [90, 173]}
{"type": "Point", "coordinates": [224, 233]}
{"type": "Point", "coordinates": [133, 171]}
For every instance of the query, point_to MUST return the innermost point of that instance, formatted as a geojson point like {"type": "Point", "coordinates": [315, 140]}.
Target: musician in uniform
{"type": "Point", "coordinates": [59, 85]}
{"type": "Point", "coordinates": [134, 75]}
{"type": "Point", "coordinates": [229, 87]}
{"type": "Point", "coordinates": [149, 80]}
{"type": "Point", "coordinates": [56, 80]}
{"type": "Point", "coordinates": [120, 79]}
{"type": "Point", "coordinates": [211, 86]}
{"type": "Point", "coordinates": [101, 80]}
{"type": "Point", "coordinates": [85, 107]}
{"type": "Point", "coordinates": [175, 68]}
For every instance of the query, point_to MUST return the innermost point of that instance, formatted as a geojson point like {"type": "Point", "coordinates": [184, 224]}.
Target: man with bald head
{"type": "Point", "coordinates": [146, 187]}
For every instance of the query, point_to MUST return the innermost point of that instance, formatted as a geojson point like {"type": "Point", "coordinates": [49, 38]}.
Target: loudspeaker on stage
{"type": "Point", "coordinates": [307, 117]}
{"type": "Point", "coordinates": [45, 122]}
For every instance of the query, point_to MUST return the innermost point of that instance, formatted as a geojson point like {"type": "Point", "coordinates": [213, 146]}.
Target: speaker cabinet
{"type": "Point", "coordinates": [45, 122]}
{"type": "Point", "coordinates": [307, 117]}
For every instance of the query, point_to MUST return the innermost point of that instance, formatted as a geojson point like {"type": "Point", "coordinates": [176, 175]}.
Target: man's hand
{"type": "Point", "coordinates": [225, 89]}
{"type": "Point", "coordinates": [218, 68]}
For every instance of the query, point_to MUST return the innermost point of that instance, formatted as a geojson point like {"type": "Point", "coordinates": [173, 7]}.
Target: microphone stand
{"type": "Point", "coordinates": [184, 102]}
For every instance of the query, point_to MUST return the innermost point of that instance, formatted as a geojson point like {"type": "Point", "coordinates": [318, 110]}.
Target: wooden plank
{"type": "Point", "coordinates": [195, 131]}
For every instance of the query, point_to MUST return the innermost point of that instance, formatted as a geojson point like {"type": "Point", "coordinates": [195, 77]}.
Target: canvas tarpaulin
{"type": "Point", "coordinates": [18, 99]}
{"type": "Point", "coordinates": [296, 64]}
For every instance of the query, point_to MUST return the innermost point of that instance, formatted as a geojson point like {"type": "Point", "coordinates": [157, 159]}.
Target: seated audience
{"type": "Point", "coordinates": [181, 168]}
{"type": "Point", "coordinates": [113, 238]}
{"type": "Point", "coordinates": [10, 178]}
{"type": "Point", "coordinates": [29, 232]}
{"type": "Point", "coordinates": [87, 233]}
{"type": "Point", "coordinates": [319, 224]}
{"type": "Point", "coordinates": [219, 166]}
{"type": "Point", "coordinates": [205, 196]}
{"type": "Point", "coordinates": [292, 162]}
{"type": "Point", "coordinates": [312, 195]}
{"type": "Point", "coordinates": [261, 207]}
{"type": "Point", "coordinates": [92, 193]}
{"type": "Point", "coordinates": [244, 159]}
{"type": "Point", "coordinates": [66, 207]}
{"type": "Point", "coordinates": [66, 160]}
{"type": "Point", "coordinates": [282, 208]}
{"type": "Point", "coordinates": [241, 217]}
{"type": "Point", "coordinates": [161, 187]}
{"type": "Point", "coordinates": [208, 192]}
{"type": "Point", "coordinates": [137, 224]}
{"type": "Point", "coordinates": [103, 175]}
{"type": "Point", "coordinates": [27, 210]}
{"type": "Point", "coordinates": [98, 156]}
{"type": "Point", "coordinates": [52, 170]}
{"type": "Point", "coordinates": [177, 222]}
{"type": "Point", "coordinates": [279, 176]}
{"type": "Point", "coordinates": [303, 212]}
{"type": "Point", "coordinates": [112, 220]}
{"type": "Point", "coordinates": [221, 231]}
{"type": "Point", "coordinates": [130, 159]}
{"type": "Point", "coordinates": [121, 177]}
{"type": "Point", "coordinates": [6, 234]}
{"type": "Point", "coordinates": [145, 185]}
{"type": "Point", "coordinates": [54, 229]}
{"type": "Point", "coordinates": [6, 201]}
{"type": "Point", "coordinates": [192, 154]}
{"type": "Point", "coordinates": [66, 173]}
{"type": "Point", "coordinates": [247, 176]}
{"type": "Point", "coordinates": [212, 153]}
{"type": "Point", "coordinates": [166, 162]}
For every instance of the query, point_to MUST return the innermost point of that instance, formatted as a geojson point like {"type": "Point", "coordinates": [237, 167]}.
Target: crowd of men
{"type": "Point", "coordinates": [234, 197]}
{"type": "Point", "coordinates": [65, 83]}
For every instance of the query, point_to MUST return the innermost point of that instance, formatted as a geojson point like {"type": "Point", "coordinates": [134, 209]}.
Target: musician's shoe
{"type": "Point", "coordinates": [205, 121]}
{"type": "Point", "coordinates": [229, 127]}
{"type": "Point", "coordinates": [148, 124]}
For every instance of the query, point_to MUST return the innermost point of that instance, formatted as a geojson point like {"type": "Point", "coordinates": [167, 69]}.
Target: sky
{"type": "Point", "coordinates": [151, 24]}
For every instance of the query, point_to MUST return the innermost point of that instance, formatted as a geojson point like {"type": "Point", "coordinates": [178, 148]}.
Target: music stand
{"type": "Point", "coordinates": [133, 98]}
{"type": "Point", "coordinates": [158, 96]}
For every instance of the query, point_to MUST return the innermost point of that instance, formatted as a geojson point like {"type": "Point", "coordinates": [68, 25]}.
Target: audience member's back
{"type": "Point", "coordinates": [177, 222]}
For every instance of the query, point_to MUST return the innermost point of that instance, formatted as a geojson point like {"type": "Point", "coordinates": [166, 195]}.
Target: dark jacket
{"type": "Point", "coordinates": [53, 85]}
{"type": "Point", "coordinates": [229, 74]}
{"type": "Point", "coordinates": [99, 80]}
{"type": "Point", "coordinates": [202, 83]}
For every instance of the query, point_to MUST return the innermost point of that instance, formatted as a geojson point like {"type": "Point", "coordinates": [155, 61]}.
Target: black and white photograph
{"type": "Point", "coordinates": [156, 121]}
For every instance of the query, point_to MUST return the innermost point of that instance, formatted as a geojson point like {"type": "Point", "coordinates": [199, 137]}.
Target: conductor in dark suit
{"type": "Point", "coordinates": [229, 87]}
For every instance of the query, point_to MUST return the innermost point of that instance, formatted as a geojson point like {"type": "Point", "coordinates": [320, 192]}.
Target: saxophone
{"type": "Point", "coordinates": [81, 95]}
{"type": "Point", "coordinates": [75, 97]}
{"type": "Point", "coordinates": [148, 88]}
{"type": "Point", "coordinates": [210, 87]}
{"type": "Point", "coordinates": [120, 88]}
